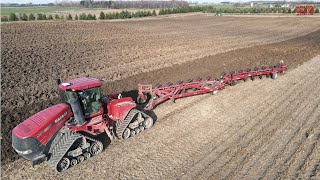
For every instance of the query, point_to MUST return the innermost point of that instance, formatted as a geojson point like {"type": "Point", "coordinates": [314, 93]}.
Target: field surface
{"type": "Point", "coordinates": [256, 129]}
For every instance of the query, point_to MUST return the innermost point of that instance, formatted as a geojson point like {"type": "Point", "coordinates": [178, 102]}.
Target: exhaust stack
{"type": "Point", "coordinates": [77, 111]}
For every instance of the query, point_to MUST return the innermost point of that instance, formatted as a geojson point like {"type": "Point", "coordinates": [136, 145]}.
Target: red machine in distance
{"type": "Point", "coordinates": [73, 130]}
{"type": "Point", "coordinates": [304, 10]}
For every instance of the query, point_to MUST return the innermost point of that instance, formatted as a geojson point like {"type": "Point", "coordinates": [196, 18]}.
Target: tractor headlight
{"type": "Point", "coordinates": [29, 151]}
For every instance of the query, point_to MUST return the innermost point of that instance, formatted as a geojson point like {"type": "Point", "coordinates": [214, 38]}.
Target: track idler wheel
{"type": "Point", "coordinates": [141, 128]}
{"type": "Point", "coordinates": [148, 123]}
{"type": "Point", "coordinates": [80, 158]}
{"type": "Point", "coordinates": [137, 130]}
{"type": "Point", "coordinates": [126, 133]}
{"type": "Point", "coordinates": [73, 162]}
{"type": "Point", "coordinates": [63, 164]}
{"type": "Point", "coordinates": [96, 148]}
{"type": "Point", "coordinates": [86, 155]}
{"type": "Point", "coordinates": [132, 133]}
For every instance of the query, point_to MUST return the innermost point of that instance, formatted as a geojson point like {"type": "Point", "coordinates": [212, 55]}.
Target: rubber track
{"type": "Point", "coordinates": [61, 147]}
{"type": "Point", "coordinates": [122, 125]}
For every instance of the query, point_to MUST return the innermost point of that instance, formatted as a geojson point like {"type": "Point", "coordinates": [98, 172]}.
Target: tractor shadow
{"type": "Point", "coordinates": [131, 93]}
{"type": "Point", "coordinates": [106, 141]}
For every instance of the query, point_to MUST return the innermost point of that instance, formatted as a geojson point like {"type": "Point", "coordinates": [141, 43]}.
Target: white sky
{"type": "Point", "coordinates": [53, 1]}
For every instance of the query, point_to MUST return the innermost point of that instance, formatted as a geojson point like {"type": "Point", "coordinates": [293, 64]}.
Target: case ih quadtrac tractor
{"type": "Point", "coordinates": [64, 134]}
{"type": "Point", "coordinates": [68, 133]}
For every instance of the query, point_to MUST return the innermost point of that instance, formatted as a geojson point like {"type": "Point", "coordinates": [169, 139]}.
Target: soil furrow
{"type": "Point", "coordinates": [264, 149]}
{"type": "Point", "coordinates": [237, 164]}
{"type": "Point", "coordinates": [298, 161]}
{"type": "Point", "coordinates": [250, 127]}
{"type": "Point", "coordinates": [297, 144]}
{"type": "Point", "coordinates": [263, 136]}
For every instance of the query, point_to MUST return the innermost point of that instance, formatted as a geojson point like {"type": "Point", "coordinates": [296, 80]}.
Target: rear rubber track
{"type": "Point", "coordinates": [122, 125]}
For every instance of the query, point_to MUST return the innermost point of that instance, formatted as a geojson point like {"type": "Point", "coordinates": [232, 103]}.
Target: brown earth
{"type": "Point", "coordinates": [265, 129]}
{"type": "Point", "coordinates": [137, 52]}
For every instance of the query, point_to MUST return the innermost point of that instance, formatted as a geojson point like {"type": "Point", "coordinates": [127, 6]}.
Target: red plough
{"type": "Point", "coordinates": [152, 96]}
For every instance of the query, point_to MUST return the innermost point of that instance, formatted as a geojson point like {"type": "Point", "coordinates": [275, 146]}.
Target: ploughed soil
{"type": "Point", "coordinates": [263, 129]}
{"type": "Point", "coordinates": [222, 128]}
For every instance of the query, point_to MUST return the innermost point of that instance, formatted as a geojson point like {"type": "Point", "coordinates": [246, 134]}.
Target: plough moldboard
{"type": "Point", "coordinates": [150, 96]}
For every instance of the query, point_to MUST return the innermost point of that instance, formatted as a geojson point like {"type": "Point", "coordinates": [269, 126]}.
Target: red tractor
{"type": "Point", "coordinates": [68, 133]}
{"type": "Point", "coordinates": [65, 134]}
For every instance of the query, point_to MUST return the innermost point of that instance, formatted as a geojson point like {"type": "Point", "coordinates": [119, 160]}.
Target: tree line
{"type": "Point", "coordinates": [146, 4]}
{"type": "Point", "coordinates": [212, 9]}
{"type": "Point", "coordinates": [127, 14]}
{"type": "Point", "coordinates": [34, 17]}
{"type": "Point", "coordinates": [114, 15]}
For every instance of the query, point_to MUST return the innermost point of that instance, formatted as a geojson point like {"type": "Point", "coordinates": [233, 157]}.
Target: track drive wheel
{"type": "Point", "coordinates": [96, 148]}
{"type": "Point", "coordinates": [63, 164]}
{"type": "Point", "coordinates": [126, 133]}
{"type": "Point", "coordinates": [148, 123]}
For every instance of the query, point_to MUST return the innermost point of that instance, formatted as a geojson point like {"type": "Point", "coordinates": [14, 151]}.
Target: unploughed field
{"type": "Point", "coordinates": [255, 129]}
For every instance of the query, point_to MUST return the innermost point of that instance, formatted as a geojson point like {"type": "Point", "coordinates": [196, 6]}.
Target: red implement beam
{"type": "Point", "coordinates": [153, 96]}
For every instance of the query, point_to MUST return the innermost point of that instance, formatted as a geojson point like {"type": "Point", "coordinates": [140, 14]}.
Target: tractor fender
{"type": "Point", "coordinates": [119, 108]}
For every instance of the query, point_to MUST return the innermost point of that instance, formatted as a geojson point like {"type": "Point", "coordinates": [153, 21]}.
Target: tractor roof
{"type": "Point", "coordinates": [80, 83]}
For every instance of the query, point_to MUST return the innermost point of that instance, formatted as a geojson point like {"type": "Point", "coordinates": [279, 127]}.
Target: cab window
{"type": "Point", "coordinates": [90, 100]}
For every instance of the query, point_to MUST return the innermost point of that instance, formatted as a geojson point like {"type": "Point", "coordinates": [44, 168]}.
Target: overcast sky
{"type": "Point", "coordinates": [53, 1]}
{"type": "Point", "coordinates": [28, 1]}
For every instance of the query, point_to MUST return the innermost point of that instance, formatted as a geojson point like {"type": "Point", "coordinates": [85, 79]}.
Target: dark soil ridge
{"type": "Point", "coordinates": [294, 52]}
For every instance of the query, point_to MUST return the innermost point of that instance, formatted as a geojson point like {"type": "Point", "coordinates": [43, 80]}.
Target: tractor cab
{"type": "Point", "coordinates": [83, 95]}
